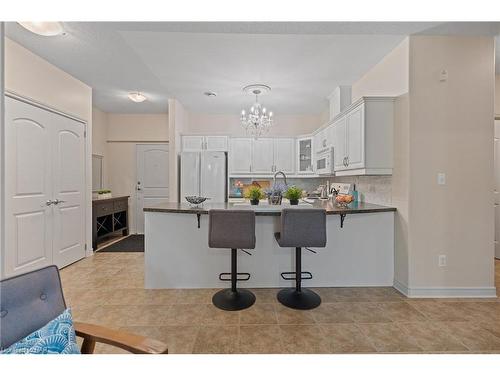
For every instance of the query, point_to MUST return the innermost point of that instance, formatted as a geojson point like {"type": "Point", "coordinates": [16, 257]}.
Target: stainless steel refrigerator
{"type": "Point", "coordinates": [204, 174]}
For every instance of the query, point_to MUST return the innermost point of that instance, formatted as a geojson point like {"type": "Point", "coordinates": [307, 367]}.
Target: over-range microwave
{"type": "Point", "coordinates": [324, 161]}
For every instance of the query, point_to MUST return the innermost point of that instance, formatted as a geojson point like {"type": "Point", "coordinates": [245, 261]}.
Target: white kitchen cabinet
{"type": "Point", "coordinates": [364, 138]}
{"type": "Point", "coordinates": [263, 155]}
{"type": "Point", "coordinates": [240, 155]}
{"type": "Point", "coordinates": [339, 147]}
{"type": "Point", "coordinates": [192, 142]}
{"type": "Point", "coordinates": [202, 142]}
{"type": "Point", "coordinates": [305, 155]}
{"type": "Point", "coordinates": [284, 155]}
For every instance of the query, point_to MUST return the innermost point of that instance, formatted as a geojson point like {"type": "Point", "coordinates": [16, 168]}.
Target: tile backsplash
{"type": "Point", "coordinates": [372, 189]}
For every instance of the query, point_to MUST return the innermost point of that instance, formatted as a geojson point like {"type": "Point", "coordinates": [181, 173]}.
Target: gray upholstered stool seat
{"type": "Point", "coordinates": [232, 229]}
{"type": "Point", "coordinates": [300, 228]}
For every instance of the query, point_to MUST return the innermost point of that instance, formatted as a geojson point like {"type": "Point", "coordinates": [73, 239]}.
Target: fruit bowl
{"type": "Point", "coordinates": [343, 200]}
{"type": "Point", "coordinates": [193, 199]}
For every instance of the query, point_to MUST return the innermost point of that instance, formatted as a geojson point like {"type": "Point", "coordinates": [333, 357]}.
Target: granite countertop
{"type": "Point", "coordinates": [270, 210]}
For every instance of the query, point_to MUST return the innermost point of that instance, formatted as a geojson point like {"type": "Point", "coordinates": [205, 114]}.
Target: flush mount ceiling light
{"type": "Point", "coordinates": [210, 94]}
{"type": "Point", "coordinates": [44, 28]}
{"type": "Point", "coordinates": [258, 121]}
{"type": "Point", "coordinates": [137, 97]}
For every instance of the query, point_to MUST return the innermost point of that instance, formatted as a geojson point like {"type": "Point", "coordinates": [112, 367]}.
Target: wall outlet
{"type": "Point", "coordinates": [441, 178]}
{"type": "Point", "coordinates": [442, 261]}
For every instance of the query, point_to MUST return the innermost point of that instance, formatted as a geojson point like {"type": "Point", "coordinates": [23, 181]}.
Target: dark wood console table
{"type": "Point", "coordinates": [109, 216]}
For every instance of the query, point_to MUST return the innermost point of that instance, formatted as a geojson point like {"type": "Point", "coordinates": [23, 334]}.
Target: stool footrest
{"type": "Point", "coordinates": [293, 275]}
{"type": "Point", "coordinates": [226, 276]}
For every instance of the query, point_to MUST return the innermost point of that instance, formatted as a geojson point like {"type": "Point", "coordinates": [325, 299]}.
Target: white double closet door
{"type": "Point", "coordinates": [45, 188]}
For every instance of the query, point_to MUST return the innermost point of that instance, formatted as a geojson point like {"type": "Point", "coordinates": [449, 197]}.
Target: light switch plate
{"type": "Point", "coordinates": [441, 179]}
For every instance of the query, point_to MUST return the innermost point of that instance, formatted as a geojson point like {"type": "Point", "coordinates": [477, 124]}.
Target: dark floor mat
{"type": "Point", "coordinates": [131, 244]}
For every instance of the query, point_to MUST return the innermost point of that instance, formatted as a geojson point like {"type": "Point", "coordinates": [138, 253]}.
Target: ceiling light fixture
{"type": "Point", "coordinates": [44, 28]}
{"type": "Point", "coordinates": [137, 97]}
{"type": "Point", "coordinates": [210, 94]}
{"type": "Point", "coordinates": [258, 121]}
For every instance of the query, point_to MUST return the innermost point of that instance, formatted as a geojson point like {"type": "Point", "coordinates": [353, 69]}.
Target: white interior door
{"type": "Point", "coordinates": [44, 162]}
{"type": "Point", "coordinates": [497, 189]}
{"type": "Point", "coordinates": [152, 179]}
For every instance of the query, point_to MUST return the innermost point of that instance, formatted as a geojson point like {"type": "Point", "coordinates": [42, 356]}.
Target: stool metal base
{"type": "Point", "coordinates": [304, 300]}
{"type": "Point", "coordinates": [226, 299]}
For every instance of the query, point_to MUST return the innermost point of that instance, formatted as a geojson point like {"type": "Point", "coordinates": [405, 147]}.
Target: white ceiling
{"type": "Point", "coordinates": [302, 62]}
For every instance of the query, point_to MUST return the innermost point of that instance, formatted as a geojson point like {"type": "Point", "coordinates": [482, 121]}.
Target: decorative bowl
{"type": "Point", "coordinates": [343, 200]}
{"type": "Point", "coordinates": [193, 199]}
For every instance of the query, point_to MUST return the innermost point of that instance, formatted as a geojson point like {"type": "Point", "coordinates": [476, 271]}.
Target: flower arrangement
{"type": "Point", "coordinates": [293, 194]}
{"type": "Point", "coordinates": [255, 194]}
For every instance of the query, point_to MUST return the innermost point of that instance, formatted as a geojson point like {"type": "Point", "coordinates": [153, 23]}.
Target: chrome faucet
{"type": "Point", "coordinates": [279, 173]}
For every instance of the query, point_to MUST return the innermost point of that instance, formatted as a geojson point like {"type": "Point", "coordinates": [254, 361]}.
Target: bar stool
{"type": "Point", "coordinates": [300, 228]}
{"type": "Point", "coordinates": [232, 229]}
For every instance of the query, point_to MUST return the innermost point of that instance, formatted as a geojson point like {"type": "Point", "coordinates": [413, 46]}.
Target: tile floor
{"type": "Point", "coordinates": [107, 289]}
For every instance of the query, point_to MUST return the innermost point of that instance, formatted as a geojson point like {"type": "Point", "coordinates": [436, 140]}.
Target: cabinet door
{"type": "Point", "coordinates": [240, 155]}
{"type": "Point", "coordinates": [340, 144]}
{"type": "Point", "coordinates": [192, 142]}
{"type": "Point", "coordinates": [216, 143]}
{"type": "Point", "coordinates": [356, 138]}
{"type": "Point", "coordinates": [263, 156]}
{"type": "Point", "coordinates": [330, 136]}
{"type": "Point", "coordinates": [284, 155]}
{"type": "Point", "coordinates": [305, 155]}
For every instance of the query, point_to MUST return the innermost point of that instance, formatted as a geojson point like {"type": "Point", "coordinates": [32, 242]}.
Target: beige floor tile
{"type": "Point", "coordinates": [265, 295]}
{"type": "Point", "coordinates": [195, 295]}
{"type": "Point", "coordinates": [147, 315]}
{"type": "Point", "coordinates": [217, 340]}
{"type": "Point", "coordinates": [260, 339]}
{"type": "Point", "coordinates": [332, 313]}
{"type": "Point", "coordinates": [287, 315]}
{"type": "Point", "coordinates": [179, 339]}
{"type": "Point", "coordinates": [431, 338]}
{"type": "Point", "coordinates": [185, 314]}
{"type": "Point", "coordinates": [472, 335]}
{"type": "Point", "coordinates": [264, 313]}
{"type": "Point", "coordinates": [365, 312]}
{"type": "Point", "coordinates": [346, 338]}
{"type": "Point", "coordinates": [138, 296]}
{"type": "Point", "coordinates": [400, 312]}
{"type": "Point", "coordinates": [440, 311]}
{"type": "Point", "coordinates": [303, 339]}
{"type": "Point", "coordinates": [214, 316]}
{"type": "Point", "coordinates": [389, 338]}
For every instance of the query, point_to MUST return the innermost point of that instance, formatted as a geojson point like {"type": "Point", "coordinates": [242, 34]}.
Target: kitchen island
{"type": "Point", "coordinates": [359, 250]}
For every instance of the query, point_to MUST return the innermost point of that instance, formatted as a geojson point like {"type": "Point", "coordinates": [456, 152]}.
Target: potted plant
{"type": "Point", "coordinates": [255, 194]}
{"type": "Point", "coordinates": [293, 194]}
{"type": "Point", "coordinates": [104, 194]}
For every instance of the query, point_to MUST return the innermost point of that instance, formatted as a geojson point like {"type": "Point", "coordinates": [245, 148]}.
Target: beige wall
{"type": "Point", "coordinates": [451, 131]}
{"type": "Point", "coordinates": [497, 95]}
{"type": "Point", "coordinates": [178, 120]}
{"type": "Point", "coordinates": [138, 127]}
{"type": "Point", "coordinates": [388, 78]}
{"type": "Point", "coordinates": [32, 77]}
{"type": "Point", "coordinates": [284, 125]}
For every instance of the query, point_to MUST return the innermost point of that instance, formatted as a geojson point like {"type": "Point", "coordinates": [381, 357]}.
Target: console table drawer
{"type": "Point", "coordinates": [121, 205]}
{"type": "Point", "coordinates": [104, 209]}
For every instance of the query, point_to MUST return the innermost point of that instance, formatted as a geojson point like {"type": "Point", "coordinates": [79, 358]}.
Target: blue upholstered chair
{"type": "Point", "coordinates": [30, 301]}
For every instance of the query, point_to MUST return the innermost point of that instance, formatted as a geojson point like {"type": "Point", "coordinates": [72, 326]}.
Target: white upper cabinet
{"type": "Point", "coordinates": [363, 138]}
{"type": "Point", "coordinates": [192, 142]}
{"type": "Point", "coordinates": [240, 155]}
{"type": "Point", "coordinates": [216, 143]}
{"type": "Point", "coordinates": [284, 155]}
{"type": "Point", "coordinates": [201, 142]}
{"type": "Point", "coordinates": [263, 155]}
{"type": "Point", "coordinates": [305, 155]}
{"type": "Point", "coordinates": [339, 147]}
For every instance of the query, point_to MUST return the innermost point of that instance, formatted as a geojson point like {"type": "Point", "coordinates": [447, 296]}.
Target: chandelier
{"type": "Point", "coordinates": [258, 120]}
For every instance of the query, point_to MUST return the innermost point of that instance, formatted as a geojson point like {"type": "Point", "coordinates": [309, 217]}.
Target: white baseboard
{"type": "Point", "coordinates": [439, 292]}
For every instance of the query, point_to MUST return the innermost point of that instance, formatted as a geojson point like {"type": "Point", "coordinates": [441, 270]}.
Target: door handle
{"type": "Point", "coordinates": [57, 201]}
{"type": "Point", "coordinates": [48, 203]}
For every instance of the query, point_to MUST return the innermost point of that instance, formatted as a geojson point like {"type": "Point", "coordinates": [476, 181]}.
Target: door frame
{"type": "Point", "coordinates": [136, 211]}
{"type": "Point", "coordinates": [87, 166]}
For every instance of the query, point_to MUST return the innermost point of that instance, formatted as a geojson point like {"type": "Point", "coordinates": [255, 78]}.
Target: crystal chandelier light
{"type": "Point", "coordinates": [258, 120]}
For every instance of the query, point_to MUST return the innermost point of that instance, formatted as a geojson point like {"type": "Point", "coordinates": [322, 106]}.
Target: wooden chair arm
{"type": "Point", "coordinates": [136, 344]}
